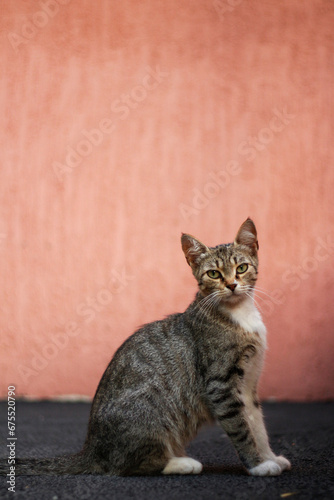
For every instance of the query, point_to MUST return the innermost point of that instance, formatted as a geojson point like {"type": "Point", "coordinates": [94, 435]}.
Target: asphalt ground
{"type": "Point", "coordinates": [303, 432]}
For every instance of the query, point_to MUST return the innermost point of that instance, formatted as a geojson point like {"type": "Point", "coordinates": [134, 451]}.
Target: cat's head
{"type": "Point", "coordinates": [230, 270]}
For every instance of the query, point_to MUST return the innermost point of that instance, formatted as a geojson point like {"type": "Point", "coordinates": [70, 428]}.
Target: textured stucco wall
{"type": "Point", "coordinates": [128, 122]}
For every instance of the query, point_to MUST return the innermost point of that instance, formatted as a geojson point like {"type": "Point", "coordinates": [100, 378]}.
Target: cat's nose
{"type": "Point", "coordinates": [231, 286]}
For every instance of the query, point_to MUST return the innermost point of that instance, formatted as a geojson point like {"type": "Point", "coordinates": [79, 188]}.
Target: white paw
{"type": "Point", "coordinates": [267, 468]}
{"type": "Point", "coordinates": [283, 463]}
{"type": "Point", "coordinates": [183, 465]}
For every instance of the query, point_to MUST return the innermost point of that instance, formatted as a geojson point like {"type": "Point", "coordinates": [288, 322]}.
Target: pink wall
{"type": "Point", "coordinates": [129, 122]}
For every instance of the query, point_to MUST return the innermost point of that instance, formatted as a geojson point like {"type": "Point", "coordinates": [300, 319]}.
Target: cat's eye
{"type": "Point", "coordinates": [214, 274]}
{"type": "Point", "coordinates": [242, 268]}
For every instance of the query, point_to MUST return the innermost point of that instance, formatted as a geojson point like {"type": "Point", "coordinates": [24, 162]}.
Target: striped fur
{"type": "Point", "coordinates": [173, 375]}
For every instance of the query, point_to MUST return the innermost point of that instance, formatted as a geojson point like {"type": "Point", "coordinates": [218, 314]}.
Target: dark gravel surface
{"type": "Point", "coordinates": [303, 432]}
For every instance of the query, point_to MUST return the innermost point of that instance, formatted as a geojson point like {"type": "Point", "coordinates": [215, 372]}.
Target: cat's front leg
{"type": "Point", "coordinates": [256, 422]}
{"type": "Point", "coordinates": [232, 413]}
{"type": "Point", "coordinates": [228, 408]}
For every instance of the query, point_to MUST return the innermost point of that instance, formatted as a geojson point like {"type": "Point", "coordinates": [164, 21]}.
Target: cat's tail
{"type": "Point", "coordinates": [67, 464]}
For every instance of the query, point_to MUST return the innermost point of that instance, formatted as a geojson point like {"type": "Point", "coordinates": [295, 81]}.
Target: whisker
{"type": "Point", "coordinates": [261, 288]}
{"type": "Point", "coordinates": [207, 304]}
{"type": "Point", "coordinates": [252, 297]}
{"type": "Point", "coordinates": [201, 302]}
{"type": "Point", "coordinates": [210, 302]}
{"type": "Point", "coordinates": [259, 297]}
{"type": "Point", "coordinates": [206, 299]}
{"type": "Point", "coordinates": [263, 291]}
{"type": "Point", "coordinates": [251, 292]}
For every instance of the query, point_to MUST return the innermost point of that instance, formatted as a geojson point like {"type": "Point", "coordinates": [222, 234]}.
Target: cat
{"type": "Point", "coordinates": [173, 375]}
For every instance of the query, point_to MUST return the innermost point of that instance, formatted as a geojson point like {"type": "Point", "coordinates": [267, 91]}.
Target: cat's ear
{"type": "Point", "coordinates": [247, 236]}
{"type": "Point", "coordinates": [193, 249]}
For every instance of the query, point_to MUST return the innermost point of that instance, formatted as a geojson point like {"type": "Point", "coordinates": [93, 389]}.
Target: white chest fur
{"type": "Point", "coordinates": [248, 317]}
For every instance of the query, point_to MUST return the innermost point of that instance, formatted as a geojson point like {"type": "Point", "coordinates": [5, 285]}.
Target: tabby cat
{"type": "Point", "coordinates": [173, 375]}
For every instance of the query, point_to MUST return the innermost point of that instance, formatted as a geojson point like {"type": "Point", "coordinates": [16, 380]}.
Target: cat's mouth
{"type": "Point", "coordinates": [233, 295]}
{"type": "Point", "coordinates": [227, 295]}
